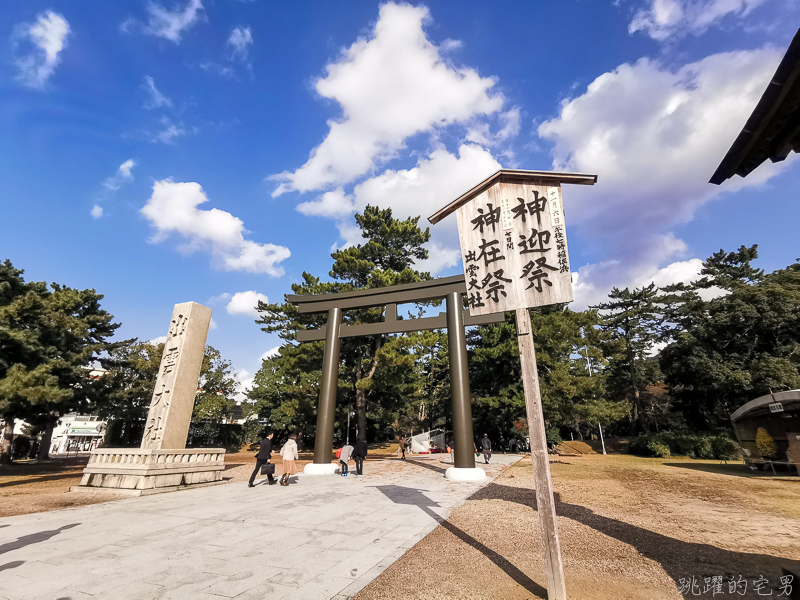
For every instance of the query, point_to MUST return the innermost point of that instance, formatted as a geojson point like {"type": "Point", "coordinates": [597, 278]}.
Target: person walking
{"type": "Point", "coordinates": [289, 455]}
{"type": "Point", "coordinates": [403, 445]}
{"type": "Point", "coordinates": [344, 458]}
{"type": "Point", "coordinates": [359, 454]}
{"type": "Point", "coordinates": [486, 444]}
{"type": "Point", "coordinates": [262, 458]}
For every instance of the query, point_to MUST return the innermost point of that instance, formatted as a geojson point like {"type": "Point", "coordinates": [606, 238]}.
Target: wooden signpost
{"type": "Point", "coordinates": [514, 247]}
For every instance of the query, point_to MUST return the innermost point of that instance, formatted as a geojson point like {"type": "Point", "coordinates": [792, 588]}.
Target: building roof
{"type": "Point", "coordinates": [513, 176]}
{"type": "Point", "coordinates": [773, 130]}
{"type": "Point", "coordinates": [760, 406]}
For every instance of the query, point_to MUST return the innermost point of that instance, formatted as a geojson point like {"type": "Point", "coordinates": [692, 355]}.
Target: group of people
{"type": "Point", "coordinates": [264, 458]}
{"type": "Point", "coordinates": [358, 453]}
{"type": "Point", "coordinates": [289, 455]}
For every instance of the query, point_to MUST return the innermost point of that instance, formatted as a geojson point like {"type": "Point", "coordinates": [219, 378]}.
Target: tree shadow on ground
{"type": "Point", "coordinates": [736, 470]}
{"type": "Point", "coordinates": [679, 559]}
{"type": "Point", "coordinates": [59, 465]}
{"type": "Point", "coordinates": [426, 465]}
{"type": "Point", "coordinates": [34, 538]}
{"type": "Point", "coordinates": [12, 565]}
{"type": "Point", "coordinates": [27, 480]}
{"type": "Point", "coordinates": [403, 495]}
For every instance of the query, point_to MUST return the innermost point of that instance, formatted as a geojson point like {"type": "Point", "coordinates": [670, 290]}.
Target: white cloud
{"type": "Point", "coordinates": [240, 41]}
{"type": "Point", "coordinates": [169, 133]}
{"type": "Point", "coordinates": [244, 383]}
{"type": "Point", "coordinates": [122, 175]}
{"type": "Point", "coordinates": [172, 208]}
{"type": "Point", "coordinates": [244, 303]}
{"type": "Point", "coordinates": [390, 86]}
{"type": "Point", "coordinates": [654, 137]}
{"type": "Point", "coordinates": [97, 211]}
{"type": "Point", "coordinates": [162, 339]}
{"type": "Point", "coordinates": [222, 71]}
{"type": "Point", "coordinates": [171, 25]}
{"type": "Point", "coordinates": [330, 204]}
{"type": "Point", "coordinates": [212, 324]}
{"type": "Point", "coordinates": [667, 18]}
{"type": "Point", "coordinates": [420, 191]}
{"type": "Point", "coordinates": [156, 99]}
{"type": "Point", "coordinates": [271, 353]}
{"type": "Point", "coordinates": [49, 36]}
{"type": "Point", "coordinates": [221, 299]}
{"type": "Point", "coordinates": [480, 132]}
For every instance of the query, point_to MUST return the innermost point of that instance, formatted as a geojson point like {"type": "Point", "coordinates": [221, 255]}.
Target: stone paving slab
{"type": "Point", "coordinates": [323, 537]}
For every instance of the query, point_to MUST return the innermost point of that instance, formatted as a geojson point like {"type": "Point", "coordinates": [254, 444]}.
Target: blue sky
{"type": "Point", "coordinates": [213, 151]}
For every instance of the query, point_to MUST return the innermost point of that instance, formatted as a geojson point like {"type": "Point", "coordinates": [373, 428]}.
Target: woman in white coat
{"type": "Point", "coordinates": [289, 455]}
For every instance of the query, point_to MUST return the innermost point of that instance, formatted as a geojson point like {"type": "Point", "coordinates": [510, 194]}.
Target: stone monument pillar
{"type": "Point", "coordinates": [163, 463]}
{"type": "Point", "coordinates": [176, 385]}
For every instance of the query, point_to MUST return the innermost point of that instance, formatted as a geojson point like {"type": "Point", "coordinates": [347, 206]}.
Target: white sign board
{"type": "Point", "coordinates": [514, 247]}
{"type": "Point", "coordinates": [776, 407]}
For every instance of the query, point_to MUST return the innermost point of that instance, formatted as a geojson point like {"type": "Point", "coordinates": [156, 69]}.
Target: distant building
{"type": "Point", "coordinates": [77, 433]}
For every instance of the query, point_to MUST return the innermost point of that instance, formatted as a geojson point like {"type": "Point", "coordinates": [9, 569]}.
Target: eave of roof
{"type": "Point", "coordinates": [513, 176]}
{"type": "Point", "coordinates": [773, 129]}
{"type": "Point", "coordinates": [788, 396]}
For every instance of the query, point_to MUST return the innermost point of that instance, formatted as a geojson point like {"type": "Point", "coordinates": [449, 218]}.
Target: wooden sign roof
{"type": "Point", "coordinates": [513, 176]}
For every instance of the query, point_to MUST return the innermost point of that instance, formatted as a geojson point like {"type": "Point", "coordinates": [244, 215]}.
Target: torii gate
{"type": "Point", "coordinates": [451, 289]}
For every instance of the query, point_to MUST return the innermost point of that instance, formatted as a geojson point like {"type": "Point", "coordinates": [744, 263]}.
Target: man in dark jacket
{"type": "Point", "coordinates": [487, 448]}
{"type": "Point", "coordinates": [263, 457]}
{"type": "Point", "coordinates": [359, 454]}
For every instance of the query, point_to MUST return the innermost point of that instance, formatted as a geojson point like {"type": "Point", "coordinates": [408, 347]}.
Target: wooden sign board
{"type": "Point", "coordinates": [514, 247]}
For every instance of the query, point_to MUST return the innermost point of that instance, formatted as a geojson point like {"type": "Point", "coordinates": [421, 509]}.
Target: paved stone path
{"type": "Point", "coordinates": [324, 537]}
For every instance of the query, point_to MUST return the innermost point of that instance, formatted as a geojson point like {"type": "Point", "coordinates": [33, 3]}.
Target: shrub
{"type": "Point", "coordinates": [724, 448]}
{"type": "Point", "coordinates": [765, 444]}
{"type": "Point", "coordinates": [552, 436]}
{"type": "Point", "coordinates": [684, 443]}
{"type": "Point", "coordinates": [658, 449]}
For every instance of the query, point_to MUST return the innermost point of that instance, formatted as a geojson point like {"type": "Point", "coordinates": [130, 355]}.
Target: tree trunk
{"type": "Point", "coordinates": [361, 394]}
{"type": "Point", "coordinates": [8, 437]}
{"type": "Point", "coordinates": [640, 411]}
{"type": "Point", "coordinates": [47, 438]}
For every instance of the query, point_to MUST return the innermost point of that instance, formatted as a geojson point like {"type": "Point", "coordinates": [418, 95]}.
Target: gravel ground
{"type": "Point", "coordinates": [630, 528]}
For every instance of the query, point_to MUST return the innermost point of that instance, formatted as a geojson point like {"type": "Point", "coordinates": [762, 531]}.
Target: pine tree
{"type": "Point", "coordinates": [632, 317]}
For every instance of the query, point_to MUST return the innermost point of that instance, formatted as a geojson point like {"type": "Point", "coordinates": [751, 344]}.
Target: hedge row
{"type": "Point", "coordinates": [683, 443]}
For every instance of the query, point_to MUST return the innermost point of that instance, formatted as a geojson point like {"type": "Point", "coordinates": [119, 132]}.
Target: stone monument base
{"type": "Point", "coordinates": [139, 471]}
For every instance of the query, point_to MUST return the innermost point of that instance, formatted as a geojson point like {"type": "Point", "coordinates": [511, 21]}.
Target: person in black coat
{"type": "Point", "coordinates": [359, 454]}
{"type": "Point", "coordinates": [263, 457]}
{"type": "Point", "coordinates": [487, 448]}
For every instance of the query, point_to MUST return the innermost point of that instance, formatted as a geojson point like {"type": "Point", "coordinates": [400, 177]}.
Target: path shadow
{"type": "Point", "coordinates": [403, 495]}
{"type": "Point", "coordinates": [34, 538]}
{"type": "Point", "coordinates": [12, 565]}
{"type": "Point", "coordinates": [229, 466]}
{"type": "Point", "coordinates": [736, 470]}
{"type": "Point", "coordinates": [40, 479]}
{"type": "Point", "coordinates": [426, 465]}
{"type": "Point", "coordinates": [678, 558]}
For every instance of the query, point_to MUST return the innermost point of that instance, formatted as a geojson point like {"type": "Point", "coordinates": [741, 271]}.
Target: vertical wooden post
{"type": "Point", "coordinates": [545, 503]}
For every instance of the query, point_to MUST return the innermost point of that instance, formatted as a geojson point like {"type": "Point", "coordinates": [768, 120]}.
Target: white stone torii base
{"type": "Point", "coordinates": [316, 469]}
{"type": "Point", "coordinates": [465, 475]}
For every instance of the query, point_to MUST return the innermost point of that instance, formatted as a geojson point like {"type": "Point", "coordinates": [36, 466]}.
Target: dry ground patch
{"type": "Point", "coordinates": [630, 528]}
